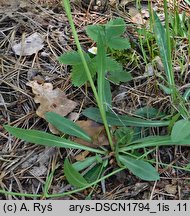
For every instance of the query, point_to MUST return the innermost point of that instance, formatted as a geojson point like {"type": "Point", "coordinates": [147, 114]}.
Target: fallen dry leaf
{"type": "Point", "coordinates": [138, 17]}
{"type": "Point", "coordinates": [29, 45]}
{"type": "Point", "coordinates": [95, 131]}
{"type": "Point", "coordinates": [171, 189]}
{"type": "Point", "coordinates": [39, 170]}
{"type": "Point", "coordinates": [51, 100]}
{"type": "Point", "coordinates": [82, 155]}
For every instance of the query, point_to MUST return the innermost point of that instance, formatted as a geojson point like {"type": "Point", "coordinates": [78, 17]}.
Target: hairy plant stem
{"type": "Point", "coordinates": [67, 7]}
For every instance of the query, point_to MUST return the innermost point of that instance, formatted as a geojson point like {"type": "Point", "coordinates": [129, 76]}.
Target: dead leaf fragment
{"type": "Point", "coordinates": [95, 131]}
{"type": "Point", "coordinates": [82, 156]}
{"type": "Point", "coordinates": [51, 100]}
{"type": "Point", "coordinates": [29, 45]}
{"type": "Point", "coordinates": [159, 63]}
{"type": "Point", "coordinates": [39, 171]}
{"type": "Point", "coordinates": [171, 189]}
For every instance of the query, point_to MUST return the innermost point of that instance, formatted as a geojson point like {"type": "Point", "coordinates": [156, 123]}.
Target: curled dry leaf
{"type": "Point", "coordinates": [51, 100]}
{"type": "Point", "coordinates": [95, 131]}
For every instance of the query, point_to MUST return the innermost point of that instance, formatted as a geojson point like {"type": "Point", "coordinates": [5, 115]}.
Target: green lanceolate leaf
{"type": "Point", "coordinates": [154, 141]}
{"type": "Point", "coordinates": [73, 176]}
{"type": "Point", "coordinates": [46, 139]}
{"type": "Point", "coordinates": [150, 141]}
{"type": "Point", "coordinates": [122, 120]}
{"type": "Point", "coordinates": [80, 165]}
{"type": "Point", "coordinates": [149, 112]}
{"type": "Point", "coordinates": [181, 130]}
{"type": "Point", "coordinates": [161, 39]}
{"type": "Point", "coordinates": [140, 168]}
{"type": "Point", "coordinates": [66, 126]}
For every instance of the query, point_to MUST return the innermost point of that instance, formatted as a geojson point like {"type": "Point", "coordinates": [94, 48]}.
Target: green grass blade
{"type": "Point", "coordinates": [66, 126]}
{"type": "Point", "coordinates": [48, 182]}
{"type": "Point", "coordinates": [140, 168]}
{"type": "Point", "coordinates": [46, 139]}
{"type": "Point", "coordinates": [163, 45]}
{"type": "Point", "coordinates": [122, 120]}
{"type": "Point", "coordinates": [73, 176]}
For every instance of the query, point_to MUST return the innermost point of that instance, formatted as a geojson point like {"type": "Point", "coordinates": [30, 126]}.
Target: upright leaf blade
{"type": "Point", "coordinates": [73, 176]}
{"type": "Point", "coordinates": [161, 39]}
{"type": "Point", "coordinates": [101, 59]}
{"type": "Point", "coordinates": [66, 126]}
{"type": "Point", "coordinates": [140, 168]}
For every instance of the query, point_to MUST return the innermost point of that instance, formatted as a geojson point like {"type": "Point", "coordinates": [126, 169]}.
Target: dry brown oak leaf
{"type": "Point", "coordinates": [95, 131]}
{"type": "Point", "coordinates": [51, 100]}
